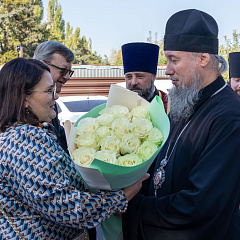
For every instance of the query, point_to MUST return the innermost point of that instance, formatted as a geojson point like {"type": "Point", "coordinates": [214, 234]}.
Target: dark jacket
{"type": "Point", "coordinates": [201, 194]}
{"type": "Point", "coordinates": [60, 132]}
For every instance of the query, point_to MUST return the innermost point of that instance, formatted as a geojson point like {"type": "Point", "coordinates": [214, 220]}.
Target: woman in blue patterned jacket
{"type": "Point", "coordinates": [42, 196]}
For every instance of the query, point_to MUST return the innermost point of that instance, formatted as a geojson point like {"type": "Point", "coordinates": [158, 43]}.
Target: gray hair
{"type": "Point", "coordinates": [45, 51]}
{"type": "Point", "coordinates": [219, 63]}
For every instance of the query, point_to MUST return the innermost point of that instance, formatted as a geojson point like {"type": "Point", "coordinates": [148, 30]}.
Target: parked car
{"type": "Point", "coordinates": [73, 107]}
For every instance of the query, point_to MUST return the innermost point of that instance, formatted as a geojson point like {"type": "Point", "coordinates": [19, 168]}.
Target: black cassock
{"type": "Point", "coordinates": [200, 197]}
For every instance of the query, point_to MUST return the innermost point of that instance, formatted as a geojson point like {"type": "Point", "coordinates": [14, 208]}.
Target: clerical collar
{"type": "Point", "coordinates": [207, 92]}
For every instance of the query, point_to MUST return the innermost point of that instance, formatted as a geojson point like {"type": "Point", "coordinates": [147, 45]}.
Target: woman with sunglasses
{"type": "Point", "coordinates": [42, 195]}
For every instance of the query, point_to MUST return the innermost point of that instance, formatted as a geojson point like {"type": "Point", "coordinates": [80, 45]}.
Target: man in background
{"type": "Point", "coordinates": [140, 68]}
{"type": "Point", "coordinates": [234, 71]}
{"type": "Point", "coordinates": [59, 59]}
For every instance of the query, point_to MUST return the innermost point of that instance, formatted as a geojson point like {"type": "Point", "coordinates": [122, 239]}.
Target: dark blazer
{"type": "Point", "coordinates": [60, 132]}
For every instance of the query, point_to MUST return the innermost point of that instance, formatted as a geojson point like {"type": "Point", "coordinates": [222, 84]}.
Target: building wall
{"type": "Point", "coordinates": [84, 71]}
{"type": "Point", "coordinates": [96, 80]}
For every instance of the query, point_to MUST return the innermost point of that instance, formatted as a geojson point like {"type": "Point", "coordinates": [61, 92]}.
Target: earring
{"type": "Point", "coordinates": [26, 109]}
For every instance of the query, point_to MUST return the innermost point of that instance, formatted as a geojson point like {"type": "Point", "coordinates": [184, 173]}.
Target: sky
{"type": "Point", "coordinates": [112, 23]}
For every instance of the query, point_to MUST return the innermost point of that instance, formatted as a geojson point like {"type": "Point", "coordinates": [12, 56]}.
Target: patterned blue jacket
{"type": "Point", "coordinates": [41, 194]}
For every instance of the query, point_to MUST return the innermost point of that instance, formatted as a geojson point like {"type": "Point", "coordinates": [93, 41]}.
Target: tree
{"type": "Point", "coordinates": [116, 57]}
{"type": "Point", "coordinates": [80, 48]}
{"type": "Point", "coordinates": [229, 46]}
{"type": "Point", "coordinates": [105, 60]}
{"type": "Point", "coordinates": [55, 22]}
{"type": "Point", "coordinates": [20, 25]}
{"type": "Point", "coordinates": [69, 37]}
{"type": "Point", "coordinates": [162, 60]}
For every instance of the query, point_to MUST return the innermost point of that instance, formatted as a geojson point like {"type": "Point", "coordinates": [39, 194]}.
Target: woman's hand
{"type": "Point", "coordinates": [133, 189]}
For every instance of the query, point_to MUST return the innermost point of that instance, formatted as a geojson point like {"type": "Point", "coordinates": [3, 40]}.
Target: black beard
{"type": "Point", "coordinates": [148, 93]}
{"type": "Point", "coordinates": [183, 99]}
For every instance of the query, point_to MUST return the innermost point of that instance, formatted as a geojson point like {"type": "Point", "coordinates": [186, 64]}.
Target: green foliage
{"type": "Point", "coordinates": [105, 60]}
{"type": "Point", "coordinates": [116, 57]}
{"type": "Point", "coordinates": [55, 22]}
{"type": "Point", "coordinates": [229, 45]}
{"type": "Point", "coordinates": [162, 60]}
{"type": "Point", "coordinates": [21, 25]}
{"type": "Point", "coordinates": [93, 58]}
{"type": "Point", "coordinates": [38, 10]}
{"type": "Point", "coordinates": [80, 46]}
{"type": "Point", "coordinates": [8, 56]}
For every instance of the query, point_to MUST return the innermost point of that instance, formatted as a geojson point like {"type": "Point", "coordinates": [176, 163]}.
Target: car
{"type": "Point", "coordinates": [73, 107]}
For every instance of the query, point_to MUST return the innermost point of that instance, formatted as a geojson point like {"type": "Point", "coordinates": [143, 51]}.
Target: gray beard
{"type": "Point", "coordinates": [183, 99]}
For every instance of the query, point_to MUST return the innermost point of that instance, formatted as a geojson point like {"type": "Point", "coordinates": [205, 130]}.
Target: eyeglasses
{"type": "Point", "coordinates": [51, 91]}
{"type": "Point", "coordinates": [63, 71]}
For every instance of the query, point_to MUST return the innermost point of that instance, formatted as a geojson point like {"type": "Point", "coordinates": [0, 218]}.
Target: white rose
{"type": "Point", "coordinates": [140, 112]}
{"type": "Point", "coordinates": [141, 127]}
{"type": "Point", "coordinates": [155, 136]}
{"type": "Point", "coordinates": [86, 125]}
{"type": "Point", "coordinates": [129, 144]}
{"type": "Point", "coordinates": [110, 143]}
{"type": "Point", "coordinates": [102, 132]}
{"type": "Point", "coordinates": [105, 119]}
{"type": "Point", "coordinates": [129, 160]}
{"type": "Point", "coordinates": [146, 150]}
{"type": "Point", "coordinates": [105, 111]}
{"type": "Point", "coordinates": [83, 156]}
{"type": "Point", "coordinates": [120, 127]}
{"type": "Point", "coordinates": [87, 140]}
{"type": "Point", "coordinates": [120, 111]}
{"type": "Point", "coordinates": [106, 156]}
{"type": "Point", "coordinates": [134, 119]}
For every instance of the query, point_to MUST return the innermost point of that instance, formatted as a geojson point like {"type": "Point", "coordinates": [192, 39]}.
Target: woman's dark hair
{"type": "Point", "coordinates": [17, 78]}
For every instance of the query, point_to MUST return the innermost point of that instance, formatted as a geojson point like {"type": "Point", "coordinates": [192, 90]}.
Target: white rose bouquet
{"type": "Point", "coordinates": [114, 145]}
{"type": "Point", "coordinates": [124, 142]}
